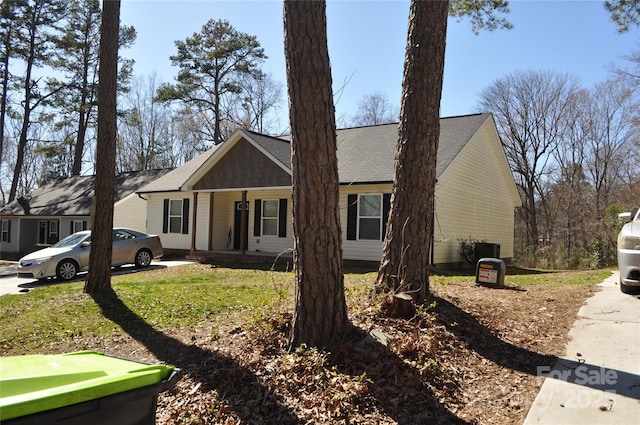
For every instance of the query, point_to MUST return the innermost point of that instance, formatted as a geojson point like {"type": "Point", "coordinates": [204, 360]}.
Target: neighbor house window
{"type": "Point", "coordinates": [47, 232]}
{"type": "Point", "coordinates": [175, 218]}
{"type": "Point", "coordinates": [270, 218]}
{"type": "Point", "coordinates": [78, 226]}
{"type": "Point", "coordinates": [53, 230]}
{"type": "Point", "coordinates": [370, 217]}
{"type": "Point", "coordinates": [6, 231]}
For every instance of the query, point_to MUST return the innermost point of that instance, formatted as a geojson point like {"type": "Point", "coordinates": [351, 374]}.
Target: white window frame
{"type": "Point", "coordinates": [54, 228]}
{"type": "Point", "coordinates": [367, 217]}
{"type": "Point", "coordinates": [264, 218]}
{"type": "Point", "coordinates": [170, 216]}
{"type": "Point", "coordinates": [77, 223]}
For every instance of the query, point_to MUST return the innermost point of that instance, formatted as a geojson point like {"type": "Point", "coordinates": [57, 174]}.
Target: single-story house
{"type": "Point", "coordinates": [236, 197]}
{"type": "Point", "coordinates": [62, 207]}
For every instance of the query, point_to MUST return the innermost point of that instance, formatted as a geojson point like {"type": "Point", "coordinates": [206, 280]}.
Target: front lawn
{"type": "Point", "coordinates": [469, 356]}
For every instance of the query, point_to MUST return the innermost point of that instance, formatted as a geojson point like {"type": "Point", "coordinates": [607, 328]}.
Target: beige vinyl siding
{"type": "Point", "coordinates": [155, 209]}
{"type": "Point", "coordinates": [473, 201]}
{"type": "Point", "coordinates": [222, 219]}
{"type": "Point", "coordinates": [131, 212]}
{"type": "Point", "coordinates": [359, 249]}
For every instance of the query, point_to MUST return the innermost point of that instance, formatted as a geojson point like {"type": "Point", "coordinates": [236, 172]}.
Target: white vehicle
{"type": "Point", "coordinates": [629, 252]}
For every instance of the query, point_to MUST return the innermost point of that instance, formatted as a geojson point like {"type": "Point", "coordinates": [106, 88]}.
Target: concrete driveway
{"type": "Point", "coordinates": [598, 380]}
{"type": "Point", "coordinates": [10, 283]}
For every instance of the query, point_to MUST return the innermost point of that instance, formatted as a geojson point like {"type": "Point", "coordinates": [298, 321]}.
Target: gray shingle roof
{"type": "Point", "coordinates": [73, 196]}
{"type": "Point", "coordinates": [279, 148]}
{"type": "Point", "coordinates": [365, 154]}
{"type": "Point", "coordinates": [172, 181]}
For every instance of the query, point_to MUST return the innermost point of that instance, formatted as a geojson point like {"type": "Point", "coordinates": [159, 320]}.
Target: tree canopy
{"type": "Point", "coordinates": [212, 62]}
{"type": "Point", "coordinates": [624, 13]}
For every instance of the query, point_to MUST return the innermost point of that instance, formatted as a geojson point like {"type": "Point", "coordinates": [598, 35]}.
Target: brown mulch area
{"type": "Point", "coordinates": [468, 358]}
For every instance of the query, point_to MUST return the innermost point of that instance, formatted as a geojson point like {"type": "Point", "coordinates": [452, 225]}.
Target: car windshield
{"type": "Point", "coordinates": [71, 240]}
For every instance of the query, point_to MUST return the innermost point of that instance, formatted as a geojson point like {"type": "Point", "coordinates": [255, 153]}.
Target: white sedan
{"type": "Point", "coordinates": [71, 255]}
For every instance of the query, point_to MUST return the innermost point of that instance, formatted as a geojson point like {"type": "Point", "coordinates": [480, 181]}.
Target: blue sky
{"type": "Point", "coordinates": [367, 43]}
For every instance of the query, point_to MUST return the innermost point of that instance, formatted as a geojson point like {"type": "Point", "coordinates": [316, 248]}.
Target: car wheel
{"type": "Point", "coordinates": [67, 270]}
{"type": "Point", "coordinates": [143, 258]}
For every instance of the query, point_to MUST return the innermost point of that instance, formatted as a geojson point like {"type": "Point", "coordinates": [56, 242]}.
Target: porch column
{"type": "Point", "coordinates": [194, 221]}
{"type": "Point", "coordinates": [210, 237]}
{"type": "Point", "coordinates": [243, 222]}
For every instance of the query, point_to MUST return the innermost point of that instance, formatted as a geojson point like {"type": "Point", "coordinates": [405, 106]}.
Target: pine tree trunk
{"type": "Point", "coordinates": [405, 262]}
{"type": "Point", "coordinates": [320, 315]}
{"type": "Point", "coordinates": [99, 278]}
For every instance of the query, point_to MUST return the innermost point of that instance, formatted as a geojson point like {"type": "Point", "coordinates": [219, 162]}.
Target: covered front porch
{"type": "Point", "coordinates": [248, 223]}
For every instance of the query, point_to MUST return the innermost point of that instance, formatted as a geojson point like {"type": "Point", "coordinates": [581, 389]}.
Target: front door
{"type": "Point", "coordinates": [237, 220]}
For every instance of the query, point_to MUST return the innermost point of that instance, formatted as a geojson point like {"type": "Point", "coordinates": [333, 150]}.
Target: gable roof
{"type": "Point", "coordinates": [73, 196]}
{"type": "Point", "coordinates": [365, 154]}
{"type": "Point", "coordinates": [184, 177]}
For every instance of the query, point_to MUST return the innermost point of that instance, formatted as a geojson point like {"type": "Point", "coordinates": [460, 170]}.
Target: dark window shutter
{"type": "Point", "coordinates": [282, 219]}
{"type": "Point", "coordinates": [386, 206]}
{"type": "Point", "coordinates": [352, 216]}
{"type": "Point", "coordinates": [185, 216]}
{"type": "Point", "coordinates": [71, 227]}
{"type": "Point", "coordinates": [9, 231]}
{"type": "Point", "coordinates": [84, 224]}
{"type": "Point", "coordinates": [165, 217]}
{"type": "Point", "coordinates": [257, 217]}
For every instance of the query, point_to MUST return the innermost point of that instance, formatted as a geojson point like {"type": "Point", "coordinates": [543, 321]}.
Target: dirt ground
{"type": "Point", "coordinates": [471, 357]}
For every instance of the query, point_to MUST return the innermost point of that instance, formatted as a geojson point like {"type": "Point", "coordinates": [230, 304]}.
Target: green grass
{"type": "Point", "coordinates": [165, 299]}
{"type": "Point", "coordinates": [525, 277]}
{"type": "Point", "coordinates": [182, 297]}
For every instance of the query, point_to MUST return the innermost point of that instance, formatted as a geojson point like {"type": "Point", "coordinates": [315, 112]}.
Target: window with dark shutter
{"type": "Point", "coordinates": [282, 219]}
{"type": "Point", "coordinates": [352, 217]}
{"type": "Point", "coordinates": [185, 216]}
{"type": "Point", "coordinates": [270, 210]}
{"type": "Point", "coordinates": [175, 217]}
{"type": "Point", "coordinates": [6, 231]}
{"type": "Point", "coordinates": [370, 217]}
{"type": "Point", "coordinates": [386, 207]}
{"type": "Point", "coordinates": [165, 216]}
{"type": "Point", "coordinates": [257, 217]}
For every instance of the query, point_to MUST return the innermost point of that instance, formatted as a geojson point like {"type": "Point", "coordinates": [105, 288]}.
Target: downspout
{"type": "Point", "coordinates": [194, 226]}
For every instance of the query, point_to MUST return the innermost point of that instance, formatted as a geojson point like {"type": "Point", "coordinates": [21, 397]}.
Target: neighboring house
{"type": "Point", "coordinates": [63, 207]}
{"type": "Point", "coordinates": [237, 196]}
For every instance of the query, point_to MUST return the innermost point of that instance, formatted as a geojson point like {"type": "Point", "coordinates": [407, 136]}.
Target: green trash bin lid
{"type": "Point", "coordinates": [37, 383]}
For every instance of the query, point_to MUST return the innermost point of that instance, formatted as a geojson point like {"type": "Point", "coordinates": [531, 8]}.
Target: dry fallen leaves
{"type": "Point", "coordinates": [470, 358]}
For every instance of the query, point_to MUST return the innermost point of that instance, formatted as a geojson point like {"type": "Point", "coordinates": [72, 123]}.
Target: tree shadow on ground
{"type": "Point", "coordinates": [481, 340]}
{"type": "Point", "coordinates": [234, 383]}
{"type": "Point", "coordinates": [396, 388]}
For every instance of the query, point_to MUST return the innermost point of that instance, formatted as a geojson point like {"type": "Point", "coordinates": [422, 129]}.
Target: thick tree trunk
{"type": "Point", "coordinates": [320, 309]}
{"type": "Point", "coordinates": [405, 262]}
{"type": "Point", "coordinates": [99, 278]}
